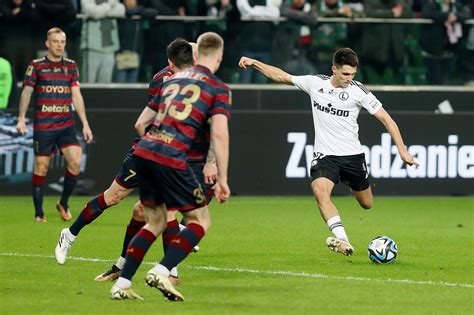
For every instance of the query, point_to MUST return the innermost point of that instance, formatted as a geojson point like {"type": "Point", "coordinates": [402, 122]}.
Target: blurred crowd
{"type": "Point", "coordinates": [122, 41]}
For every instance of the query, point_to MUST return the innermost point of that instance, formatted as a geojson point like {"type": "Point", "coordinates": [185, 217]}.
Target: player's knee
{"type": "Point", "coordinates": [138, 212]}
{"type": "Point", "coordinates": [74, 166]}
{"type": "Point", "coordinates": [321, 195]}
{"type": "Point", "coordinates": [366, 204]}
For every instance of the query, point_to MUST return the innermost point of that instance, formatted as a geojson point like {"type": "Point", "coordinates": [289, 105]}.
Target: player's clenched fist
{"type": "Point", "coordinates": [246, 62]}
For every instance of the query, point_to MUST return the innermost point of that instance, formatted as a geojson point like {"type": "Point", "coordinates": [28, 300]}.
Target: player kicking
{"type": "Point", "coordinates": [126, 181]}
{"type": "Point", "coordinates": [166, 182]}
{"type": "Point", "coordinates": [336, 102]}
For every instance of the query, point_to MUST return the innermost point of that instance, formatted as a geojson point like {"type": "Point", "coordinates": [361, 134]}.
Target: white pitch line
{"type": "Point", "coordinates": [270, 272]}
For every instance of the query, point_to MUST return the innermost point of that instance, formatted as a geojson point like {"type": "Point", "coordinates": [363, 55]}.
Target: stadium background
{"type": "Point", "coordinates": [271, 127]}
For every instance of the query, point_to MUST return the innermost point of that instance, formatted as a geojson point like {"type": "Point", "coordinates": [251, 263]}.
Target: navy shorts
{"type": "Point", "coordinates": [127, 174]}
{"type": "Point", "coordinates": [46, 142]}
{"type": "Point", "coordinates": [197, 168]}
{"type": "Point", "coordinates": [177, 189]}
{"type": "Point", "coordinates": [350, 169]}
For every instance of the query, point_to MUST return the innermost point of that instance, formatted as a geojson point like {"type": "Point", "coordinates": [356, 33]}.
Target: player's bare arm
{"type": "Point", "coordinates": [392, 128]}
{"type": "Point", "coordinates": [210, 169]}
{"type": "Point", "coordinates": [271, 72]}
{"type": "Point", "coordinates": [220, 136]}
{"type": "Point", "coordinates": [24, 104]}
{"type": "Point", "coordinates": [78, 102]}
{"type": "Point", "coordinates": [145, 118]}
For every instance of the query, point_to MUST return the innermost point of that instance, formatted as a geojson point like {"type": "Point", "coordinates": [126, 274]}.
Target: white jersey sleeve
{"type": "Point", "coordinates": [302, 82]}
{"type": "Point", "coordinates": [369, 101]}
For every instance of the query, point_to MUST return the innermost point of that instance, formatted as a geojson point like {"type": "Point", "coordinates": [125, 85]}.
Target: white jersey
{"type": "Point", "coordinates": [335, 112]}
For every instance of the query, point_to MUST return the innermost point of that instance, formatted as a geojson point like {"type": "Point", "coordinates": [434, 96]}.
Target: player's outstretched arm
{"type": "Point", "coordinates": [220, 137]}
{"type": "Point", "coordinates": [24, 103]}
{"type": "Point", "coordinates": [78, 102]}
{"type": "Point", "coordinates": [392, 128]}
{"type": "Point", "coordinates": [271, 72]}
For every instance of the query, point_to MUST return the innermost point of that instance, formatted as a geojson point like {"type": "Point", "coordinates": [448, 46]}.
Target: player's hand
{"type": "Point", "coordinates": [246, 62]}
{"type": "Point", "coordinates": [210, 172]}
{"type": "Point", "coordinates": [407, 158]}
{"type": "Point", "coordinates": [221, 191]}
{"type": "Point", "coordinates": [21, 127]}
{"type": "Point", "coordinates": [87, 133]}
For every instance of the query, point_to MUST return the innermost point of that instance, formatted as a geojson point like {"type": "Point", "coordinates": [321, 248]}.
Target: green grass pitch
{"type": "Point", "coordinates": [263, 255]}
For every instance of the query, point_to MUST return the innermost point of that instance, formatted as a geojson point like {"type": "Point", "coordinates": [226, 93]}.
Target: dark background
{"type": "Point", "coordinates": [260, 122]}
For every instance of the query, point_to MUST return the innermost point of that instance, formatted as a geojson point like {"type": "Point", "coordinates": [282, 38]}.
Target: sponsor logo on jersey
{"type": "Point", "coordinates": [331, 110]}
{"type": "Point", "coordinates": [55, 108]}
{"type": "Point", "coordinates": [54, 89]}
{"type": "Point", "coordinates": [162, 135]}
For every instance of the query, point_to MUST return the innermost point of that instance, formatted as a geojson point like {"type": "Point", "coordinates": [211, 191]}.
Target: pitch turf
{"type": "Point", "coordinates": [263, 255]}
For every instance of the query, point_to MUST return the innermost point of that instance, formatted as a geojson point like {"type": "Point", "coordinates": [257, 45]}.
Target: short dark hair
{"type": "Point", "coordinates": [345, 56]}
{"type": "Point", "coordinates": [180, 52]}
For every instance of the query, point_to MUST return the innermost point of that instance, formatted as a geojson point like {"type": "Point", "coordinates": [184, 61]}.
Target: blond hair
{"type": "Point", "coordinates": [54, 30]}
{"type": "Point", "coordinates": [209, 44]}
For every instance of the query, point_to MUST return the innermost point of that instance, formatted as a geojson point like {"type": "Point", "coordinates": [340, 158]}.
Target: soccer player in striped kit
{"type": "Point", "coordinates": [336, 102]}
{"type": "Point", "coordinates": [55, 82]}
{"type": "Point", "coordinates": [166, 181]}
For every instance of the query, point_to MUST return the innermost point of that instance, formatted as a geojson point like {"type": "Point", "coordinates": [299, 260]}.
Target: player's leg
{"type": "Point", "coordinates": [155, 217]}
{"type": "Point", "coordinates": [40, 169]}
{"type": "Point", "coordinates": [354, 174]}
{"type": "Point", "coordinates": [93, 209]}
{"type": "Point", "coordinates": [173, 227]}
{"type": "Point", "coordinates": [324, 175]}
{"type": "Point", "coordinates": [72, 153]}
{"type": "Point", "coordinates": [199, 221]}
{"type": "Point", "coordinates": [136, 223]}
{"type": "Point", "coordinates": [364, 197]}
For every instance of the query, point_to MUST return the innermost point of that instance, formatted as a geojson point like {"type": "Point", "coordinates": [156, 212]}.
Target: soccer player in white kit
{"type": "Point", "coordinates": [336, 102]}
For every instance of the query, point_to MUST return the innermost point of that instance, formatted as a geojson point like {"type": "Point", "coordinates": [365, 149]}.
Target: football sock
{"type": "Point", "coordinates": [336, 227]}
{"type": "Point", "coordinates": [171, 231]}
{"type": "Point", "coordinates": [91, 211]}
{"type": "Point", "coordinates": [137, 249]}
{"type": "Point", "coordinates": [174, 272]}
{"type": "Point", "coordinates": [70, 181]}
{"type": "Point", "coordinates": [38, 192]}
{"type": "Point", "coordinates": [120, 262]}
{"type": "Point", "coordinates": [180, 246]}
{"type": "Point", "coordinates": [132, 228]}
{"type": "Point", "coordinates": [123, 283]}
{"type": "Point", "coordinates": [160, 269]}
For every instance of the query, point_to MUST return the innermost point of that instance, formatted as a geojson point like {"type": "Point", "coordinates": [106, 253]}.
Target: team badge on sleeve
{"type": "Point", "coordinates": [29, 71]}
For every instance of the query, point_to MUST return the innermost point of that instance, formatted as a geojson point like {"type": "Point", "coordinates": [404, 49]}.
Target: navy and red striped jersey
{"type": "Point", "coordinates": [155, 85]}
{"type": "Point", "coordinates": [52, 82]}
{"type": "Point", "coordinates": [186, 102]}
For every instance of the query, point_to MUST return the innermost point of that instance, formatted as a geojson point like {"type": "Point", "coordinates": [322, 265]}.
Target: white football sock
{"type": "Point", "coordinates": [123, 283]}
{"type": "Point", "coordinates": [71, 237]}
{"type": "Point", "coordinates": [336, 227]}
{"type": "Point", "coordinates": [174, 272]}
{"type": "Point", "coordinates": [160, 269]}
{"type": "Point", "coordinates": [120, 263]}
